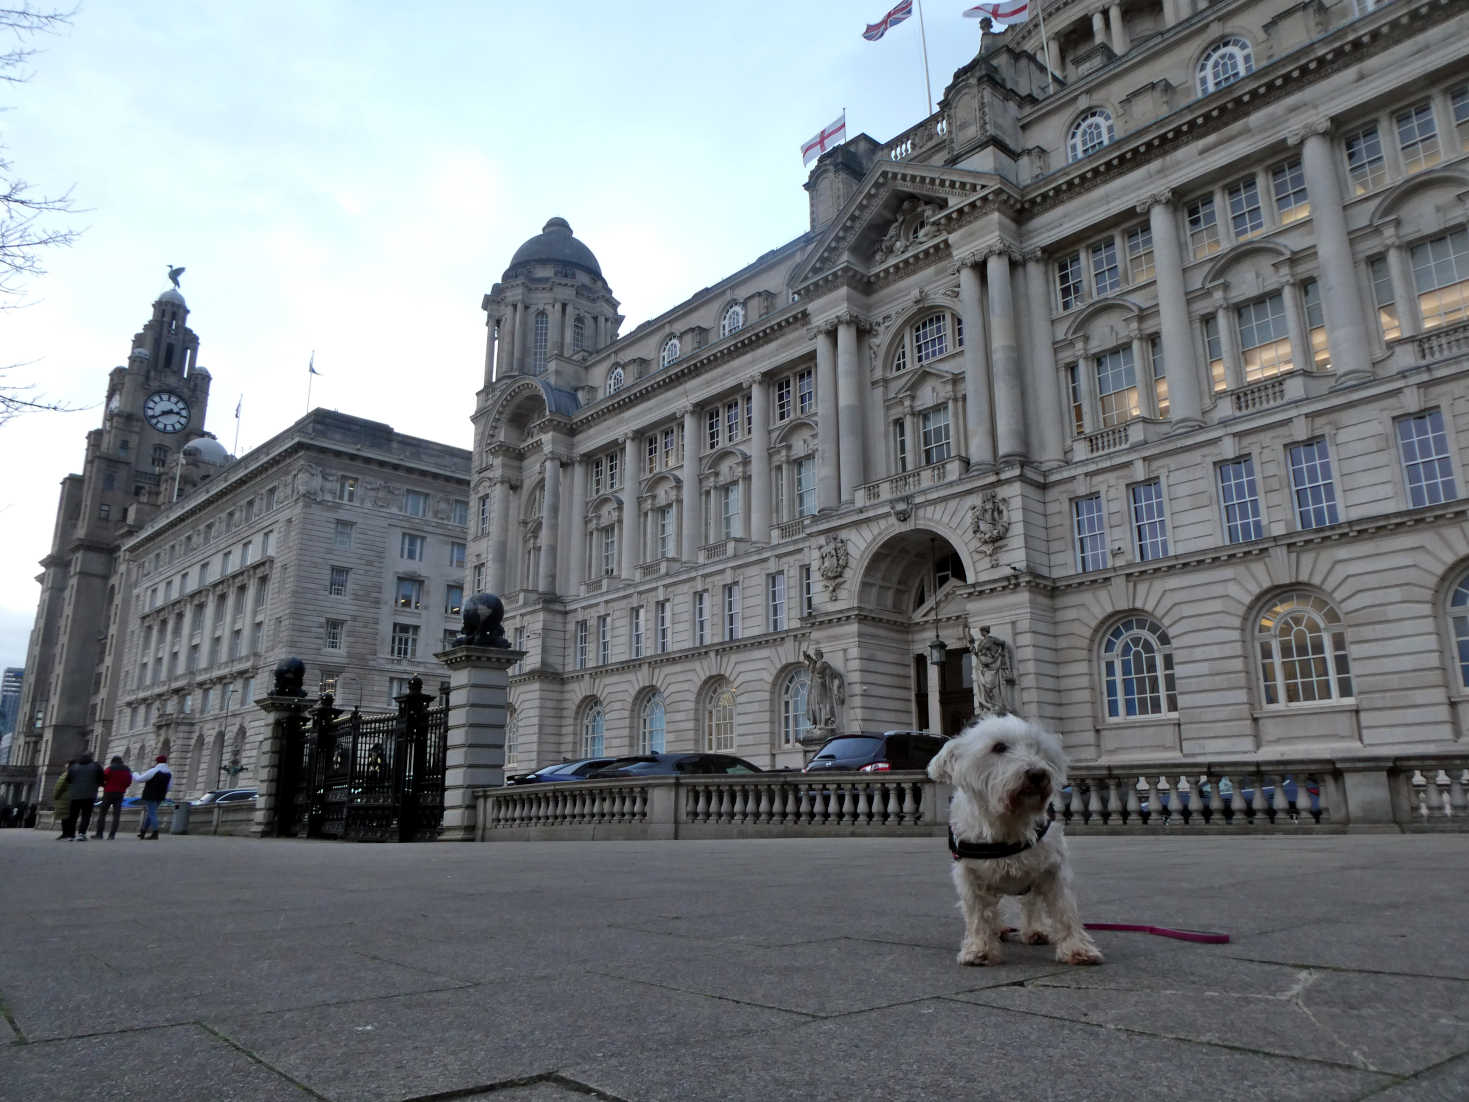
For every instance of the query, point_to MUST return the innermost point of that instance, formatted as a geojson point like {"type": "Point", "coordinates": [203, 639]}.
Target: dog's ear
{"type": "Point", "coordinates": [941, 768]}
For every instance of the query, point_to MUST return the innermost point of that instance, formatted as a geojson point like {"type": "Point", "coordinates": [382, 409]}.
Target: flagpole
{"type": "Point", "coordinates": [923, 37]}
{"type": "Point", "coordinates": [1045, 44]}
{"type": "Point", "coordinates": [310, 374]}
{"type": "Point", "coordinates": [236, 449]}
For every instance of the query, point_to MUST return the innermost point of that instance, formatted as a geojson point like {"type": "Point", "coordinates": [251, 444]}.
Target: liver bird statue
{"type": "Point", "coordinates": [173, 276]}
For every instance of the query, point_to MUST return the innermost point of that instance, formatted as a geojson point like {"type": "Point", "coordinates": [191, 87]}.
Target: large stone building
{"type": "Point", "coordinates": [1154, 360]}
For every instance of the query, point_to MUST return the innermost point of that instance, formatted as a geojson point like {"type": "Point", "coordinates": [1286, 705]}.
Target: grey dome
{"type": "Point", "coordinates": [172, 295]}
{"type": "Point", "coordinates": [555, 245]}
{"type": "Point", "coordinates": [207, 449]}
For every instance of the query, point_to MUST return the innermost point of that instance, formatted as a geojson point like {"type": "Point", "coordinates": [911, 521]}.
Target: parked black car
{"type": "Point", "coordinates": [876, 751]}
{"type": "Point", "coordinates": [226, 796]}
{"type": "Point", "coordinates": [561, 771]}
{"type": "Point", "coordinates": [697, 764]}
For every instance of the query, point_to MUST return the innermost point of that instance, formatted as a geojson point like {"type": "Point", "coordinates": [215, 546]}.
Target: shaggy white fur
{"type": "Point", "coordinates": [1004, 771]}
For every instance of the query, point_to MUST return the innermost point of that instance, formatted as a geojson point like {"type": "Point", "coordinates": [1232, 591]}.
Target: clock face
{"type": "Point", "coordinates": [166, 411]}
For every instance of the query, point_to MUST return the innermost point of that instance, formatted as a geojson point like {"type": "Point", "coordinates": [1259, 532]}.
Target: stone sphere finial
{"type": "Point", "coordinates": [289, 675]}
{"type": "Point", "coordinates": [484, 616]}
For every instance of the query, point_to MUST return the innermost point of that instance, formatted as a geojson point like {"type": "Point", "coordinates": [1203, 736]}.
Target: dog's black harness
{"type": "Point", "coordinates": [986, 850]}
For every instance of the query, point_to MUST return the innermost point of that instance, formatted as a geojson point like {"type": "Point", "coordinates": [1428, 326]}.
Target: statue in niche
{"type": "Point", "coordinates": [991, 523]}
{"type": "Point", "coordinates": [825, 695]}
{"type": "Point", "coordinates": [994, 673]}
{"type": "Point", "coordinates": [834, 562]}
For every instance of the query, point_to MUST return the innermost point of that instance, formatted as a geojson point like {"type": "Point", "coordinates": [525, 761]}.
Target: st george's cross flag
{"type": "Point", "coordinates": [829, 138]}
{"type": "Point", "coordinates": [1006, 11]}
{"type": "Point", "coordinates": [899, 13]}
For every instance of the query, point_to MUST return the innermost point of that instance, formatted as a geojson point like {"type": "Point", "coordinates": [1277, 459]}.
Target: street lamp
{"type": "Point", "coordinates": [938, 650]}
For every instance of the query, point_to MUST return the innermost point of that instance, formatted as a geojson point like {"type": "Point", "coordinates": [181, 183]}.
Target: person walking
{"type": "Point", "coordinates": [115, 781]}
{"type": "Point", "coordinates": [83, 779]}
{"type": "Point", "coordinates": [155, 786]}
{"type": "Point", "coordinates": [61, 801]}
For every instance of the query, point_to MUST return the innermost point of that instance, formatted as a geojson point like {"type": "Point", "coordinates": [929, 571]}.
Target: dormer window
{"type": "Point", "coordinates": [615, 379]}
{"type": "Point", "coordinates": [1224, 63]}
{"type": "Point", "coordinates": [670, 351]}
{"type": "Point", "coordinates": [733, 320]}
{"type": "Point", "coordinates": [1090, 133]}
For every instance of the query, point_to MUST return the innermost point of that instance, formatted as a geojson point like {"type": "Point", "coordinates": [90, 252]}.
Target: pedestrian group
{"type": "Point", "coordinates": [76, 792]}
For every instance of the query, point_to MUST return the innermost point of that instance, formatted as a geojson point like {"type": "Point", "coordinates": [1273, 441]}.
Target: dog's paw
{"type": "Point", "coordinates": [1035, 937]}
{"type": "Point", "coordinates": [1078, 954]}
{"type": "Point", "coordinates": [976, 955]}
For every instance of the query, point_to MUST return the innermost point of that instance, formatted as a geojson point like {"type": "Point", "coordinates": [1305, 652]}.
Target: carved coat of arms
{"type": "Point", "coordinates": [834, 562]}
{"type": "Point", "coordinates": [991, 523]}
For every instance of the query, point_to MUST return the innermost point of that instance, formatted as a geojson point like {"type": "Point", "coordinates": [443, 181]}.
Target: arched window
{"type": "Point", "coordinates": [793, 718]}
{"type": "Point", "coordinates": [540, 341]}
{"type": "Point", "coordinates": [932, 337]}
{"type": "Point", "coordinates": [719, 719]}
{"type": "Point", "coordinates": [1137, 670]}
{"type": "Point", "coordinates": [653, 726]}
{"type": "Point", "coordinates": [1089, 133]}
{"type": "Point", "coordinates": [578, 334]}
{"type": "Point", "coordinates": [733, 321]}
{"type": "Point", "coordinates": [614, 380]}
{"type": "Point", "coordinates": [1303, 651]}
{"type": "Point", "coordinates": [1459, 627]}
{"type": "Point", "coordinates": [593, 731]}
{"type": "Point", "coordinates": [1224, 63]}
{"type": "Point", "coordinates": [670, 351]}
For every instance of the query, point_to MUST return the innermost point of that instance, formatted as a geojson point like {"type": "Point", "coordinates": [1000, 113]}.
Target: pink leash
{"type": "Point", "coordinates": [1202, 937]}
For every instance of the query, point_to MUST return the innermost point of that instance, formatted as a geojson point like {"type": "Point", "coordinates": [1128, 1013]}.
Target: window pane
{"type": "Point", "coordinates": [1091, 534]}
{"type": "Point", "coordinates": [1238, 498]}
{"type": "Point", "coordinates": [1148, 520]}
{"type": "Point", "coordinates": [1315, 494]}
{"type": "Point", "coordinates": [1424, 448]}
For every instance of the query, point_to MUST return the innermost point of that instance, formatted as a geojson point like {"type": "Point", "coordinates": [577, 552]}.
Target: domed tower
{"type": "Point", "coordinates": [550, 311]}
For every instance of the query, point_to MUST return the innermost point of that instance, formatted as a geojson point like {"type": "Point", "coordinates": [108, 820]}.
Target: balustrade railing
{"type": "Point", "coordinates": [1440, 343]}
{"type": "Point", "coordinates": [909, 482]}
{"type": "Point", "coordinates": [1440, 793]}
{"type": "Point", "coordinates": [1270, 392]}
{"type": "Point", "coordinates": [1107, 439]}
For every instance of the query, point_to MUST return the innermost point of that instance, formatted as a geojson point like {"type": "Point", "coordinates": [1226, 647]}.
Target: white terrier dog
{"type": "Point", "coordinates": [1004, 771]}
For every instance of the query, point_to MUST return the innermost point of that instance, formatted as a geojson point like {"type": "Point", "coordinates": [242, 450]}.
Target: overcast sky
{"type": "Point", "coordinates": [351, 178]}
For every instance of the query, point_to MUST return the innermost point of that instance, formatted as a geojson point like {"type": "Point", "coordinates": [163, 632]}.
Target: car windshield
{"type": "Point", "coordinates": [850, 746]}
{"type": "Point", "coordinates": [209, 797]}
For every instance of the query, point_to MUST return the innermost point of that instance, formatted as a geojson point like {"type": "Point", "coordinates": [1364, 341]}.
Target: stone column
{"type": "Point", "coordinates": [284, 711]}
{"type": "Point", "coordinates": [978, 414]}
{"type": "Point", "coordinates": [1234, 367]}
{"type": "Point", "coordinates": [1120, 43]}
{"type": "Point", "coordinates": [759, 459]}
{"type": "Point", "coordinates": [489, 349]}
{"type": "Point", "coordinates": [852, 442]}
{"type": "Point", "coordinates": [935, 721]}
{"type": "Point", "coordinates": [1147, 394]}
{"type": "Point", "coordinates": [1043, 373]}
{"type": "Point", "coordinates": [505, 353]}
{"type": "Point", "coordinates": [517, 353]}
{"type": "Point", "coordinates": [631, 521]}
{"type": "Point", "coordinates": [499, 536]}
{"type": "Point", "coordinates": [1346, 329]}
{"type": "Point", "coordinates": [550, 524]}
{"type": "Point", "coordinates": [1185, 396]}
{"type": "Point", "coordinates": [1086, 380]}
{"type": "Point", "coordinates": [1295, 324]}
{"type": "Point", "coordinates": [1404, 289]}
{"type": "Point", "coordinates": [1099, 27]}
{"type": "Point", "coordinates": [828, 486]}
{"type": "Point", "coordinates": [479, 680]}
{"type": "Point", "coordinates": [577, 553]}
{"type": "Point", "coordinates": [1005, 355]}
{"type": "Point", "coordinates": [692, 497]}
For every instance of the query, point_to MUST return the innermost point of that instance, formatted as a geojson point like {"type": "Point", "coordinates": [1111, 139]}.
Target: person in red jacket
{"type": "Point", "coordinates": [115, 780]}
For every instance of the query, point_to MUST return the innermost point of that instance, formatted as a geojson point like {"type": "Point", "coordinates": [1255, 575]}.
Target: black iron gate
{"type": "Point", "coordinates": [369, 777]}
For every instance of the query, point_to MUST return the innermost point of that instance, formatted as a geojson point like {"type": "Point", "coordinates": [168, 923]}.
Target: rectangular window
{"type": "Point", "coordinates": [1140, 253]}
{"type": "Point", "coordinates": [783, 403]}
{"type": "Point", "coordinates": [334, 630]}
{"type": "Point", "coordinates": [1417, 137]}
{"type": "Point", "coordinates": [336, 586]}
{"type": "Point", "coordinates": [1160, 375]}
{"type": "Point", "coordinates": [934, 425]}
{"type": "Point", "coordinates": [900, 445]}
{"type": "Point", "coordinates": [650, 453]}
{"type": "Point", "coordinates": [262, 590]}
{"type": "Point", "coordinates": [1288, 181]}
{"type": "Point", "coordinates": [806, 487]}
{"type": "Point", "coordinates": [409, 593]}
{"type": "Point", "coordinates": [731, 422]}
{"type": "Point", "coordinates": [729, 495]}
{"type": "Point", "coordinates": [1106, 274]}
{"type": "Point", "coordinates": [711, 426]}
{"type": "Point", "coordinates": [1366, 166]}
{"type": "Point", "coordinates": [1441, 275]}
{"type": "Point", "coordinates": [1078, 408]}
{"type": "Point", "coordinates": [1316, 325]}
{"type": "Point", "coordinates": [1425, 453]}
{"type": "Point", "coordinates": [1310, 479]}
{"type": "Point", "coordinates": [1239, 500]}
{"type": "Point", "coordinates": [346, 489]}
{"type": "Point", "coordinates": [410, 547]}
{"type": "Point", "coordinates": [1245, 216]}
{"type": "Point", "coordinates": [1384, 299]}
{"type": "Point", "coordinates": [484, 514]}
{"type": "Point", "coordinates": [1117, 386]}
{"type": "Point", "coordinates": [597, 476]}
{"type": "Point", "coordinates": [808, 591]}
{"type": "Point", "coordinates": [1264, 338]}
{"type": "Point", "coordinates": [604, 640]}
{"type": "Point", "coordinates": [732, 610]}
{"type": "Point", "coordinates": [405, 641]}
{"type": "Point", "coordinates": [478, 584]}
{"type": "Point", "coordinates": [459, 512]}
{"type": "Point", "coordinates": [609, 550]}
{"type": "Point", "coordinates": [663, 521]}
{"type": "Point", "coordinates": [805, 391]}
{"type": "Point", "coordinates": [104, 511]}
{"type": "Point", "coordinates": [237, 642]}
{"type": "Point", "coordinates": [670, 449]}
{"type": "Point", "coordinates": [456, 555]}
{"type": "Point", "coordinates": [931, 338]}
{"type": "Point", "coordinates": [1459, 105]}
{"type": "Point", "coordinates": [635, 631]}
{"type": "Point", "coordinates": [454, 600]}
{"type": "Point", "coordinates": [1203, 229]}
{"type": "Point", "coordinates": [582, 641]}
{"type": "Point", "coordinates": [1070, 287]}
{"type": "Point", "coordinates": [1091, 533]}
{"type": "Point", "coordinates": [661, 626]}
{"type": "Point", "coordinates": [1149, 522]}
{"type": "Point", "coordinates": [415, 503]}
{"type": "Point", "coordinates": [203, 573]}
{"type": "Point", "coordinates": [701, 618]}
{"type": "Point", "coordinates": [245, 553]}
{"type": "Point", "coordinates": [225, 562]}
{"type": "Point", "coordinates": [776, 600]}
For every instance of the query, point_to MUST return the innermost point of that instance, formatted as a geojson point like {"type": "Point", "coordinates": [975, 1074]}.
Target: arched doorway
{"type": "Point", "coordinates": [911, 581]}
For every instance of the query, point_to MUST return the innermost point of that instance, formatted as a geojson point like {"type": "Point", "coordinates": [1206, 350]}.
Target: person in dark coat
{"type": "Point", "coordinates": [83, 779]}
{"type": "Point", "coordinates": [155, 787]}
{"type": "Point", "coordinates": [115, 781]}
{"type": "Point", "coordinates": [61, 802]}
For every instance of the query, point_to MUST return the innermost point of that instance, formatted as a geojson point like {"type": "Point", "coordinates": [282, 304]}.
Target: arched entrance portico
{"type": "Point", "coordinates": [907, 599]}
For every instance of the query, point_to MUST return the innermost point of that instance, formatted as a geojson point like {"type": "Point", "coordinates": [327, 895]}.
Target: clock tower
{"type": "Point", "coordinates": [154, 406]}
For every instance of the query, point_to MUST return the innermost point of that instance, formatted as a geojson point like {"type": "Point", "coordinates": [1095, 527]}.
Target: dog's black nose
{"type": "Point", "coordinates": [1038, 778]}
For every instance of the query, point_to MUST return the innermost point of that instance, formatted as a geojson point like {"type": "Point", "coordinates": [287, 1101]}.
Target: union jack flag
{"type": "Point", "coordinates": [899, 13]}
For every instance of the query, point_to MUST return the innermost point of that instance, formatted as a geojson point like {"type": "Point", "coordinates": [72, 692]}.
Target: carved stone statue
{"type": "Point", "coordinates": [991, 523]}
{"type": "Point", "coordinates": [994, 673]}
{"type": "Point", "coordinates": [173, 276]}
{"type": "Point", "coordinates": [914, 223]}
{"type": "Point", "coordinates": [826, 693]}
{"type": "Point", "coordinates": [834, 562]}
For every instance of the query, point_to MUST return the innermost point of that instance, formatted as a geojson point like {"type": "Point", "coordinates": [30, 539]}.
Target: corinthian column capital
{"type": "Point", "coordinates": [1303, 130]}
{"type": "Point", "coordinates": [1163, 196]}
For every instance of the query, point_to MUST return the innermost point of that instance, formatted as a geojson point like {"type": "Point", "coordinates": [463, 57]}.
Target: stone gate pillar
{"type": "Point", "coordinates": [276, 777]}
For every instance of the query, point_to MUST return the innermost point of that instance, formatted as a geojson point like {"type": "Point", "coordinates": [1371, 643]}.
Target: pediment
{"type": "Point", "coordinates": [926, 383]}
{"type": "Point", "coordinates": [899, 209]}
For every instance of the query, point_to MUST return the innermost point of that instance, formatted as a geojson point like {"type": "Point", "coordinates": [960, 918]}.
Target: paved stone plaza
{"type": "Point", "coordinates": [222, 968]}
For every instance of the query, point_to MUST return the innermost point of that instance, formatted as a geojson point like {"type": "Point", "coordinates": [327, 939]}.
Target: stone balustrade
{"type": "Point", "coordinates": [1269, 392]}
{"type": "Point", "coordinates": [909, 482]}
